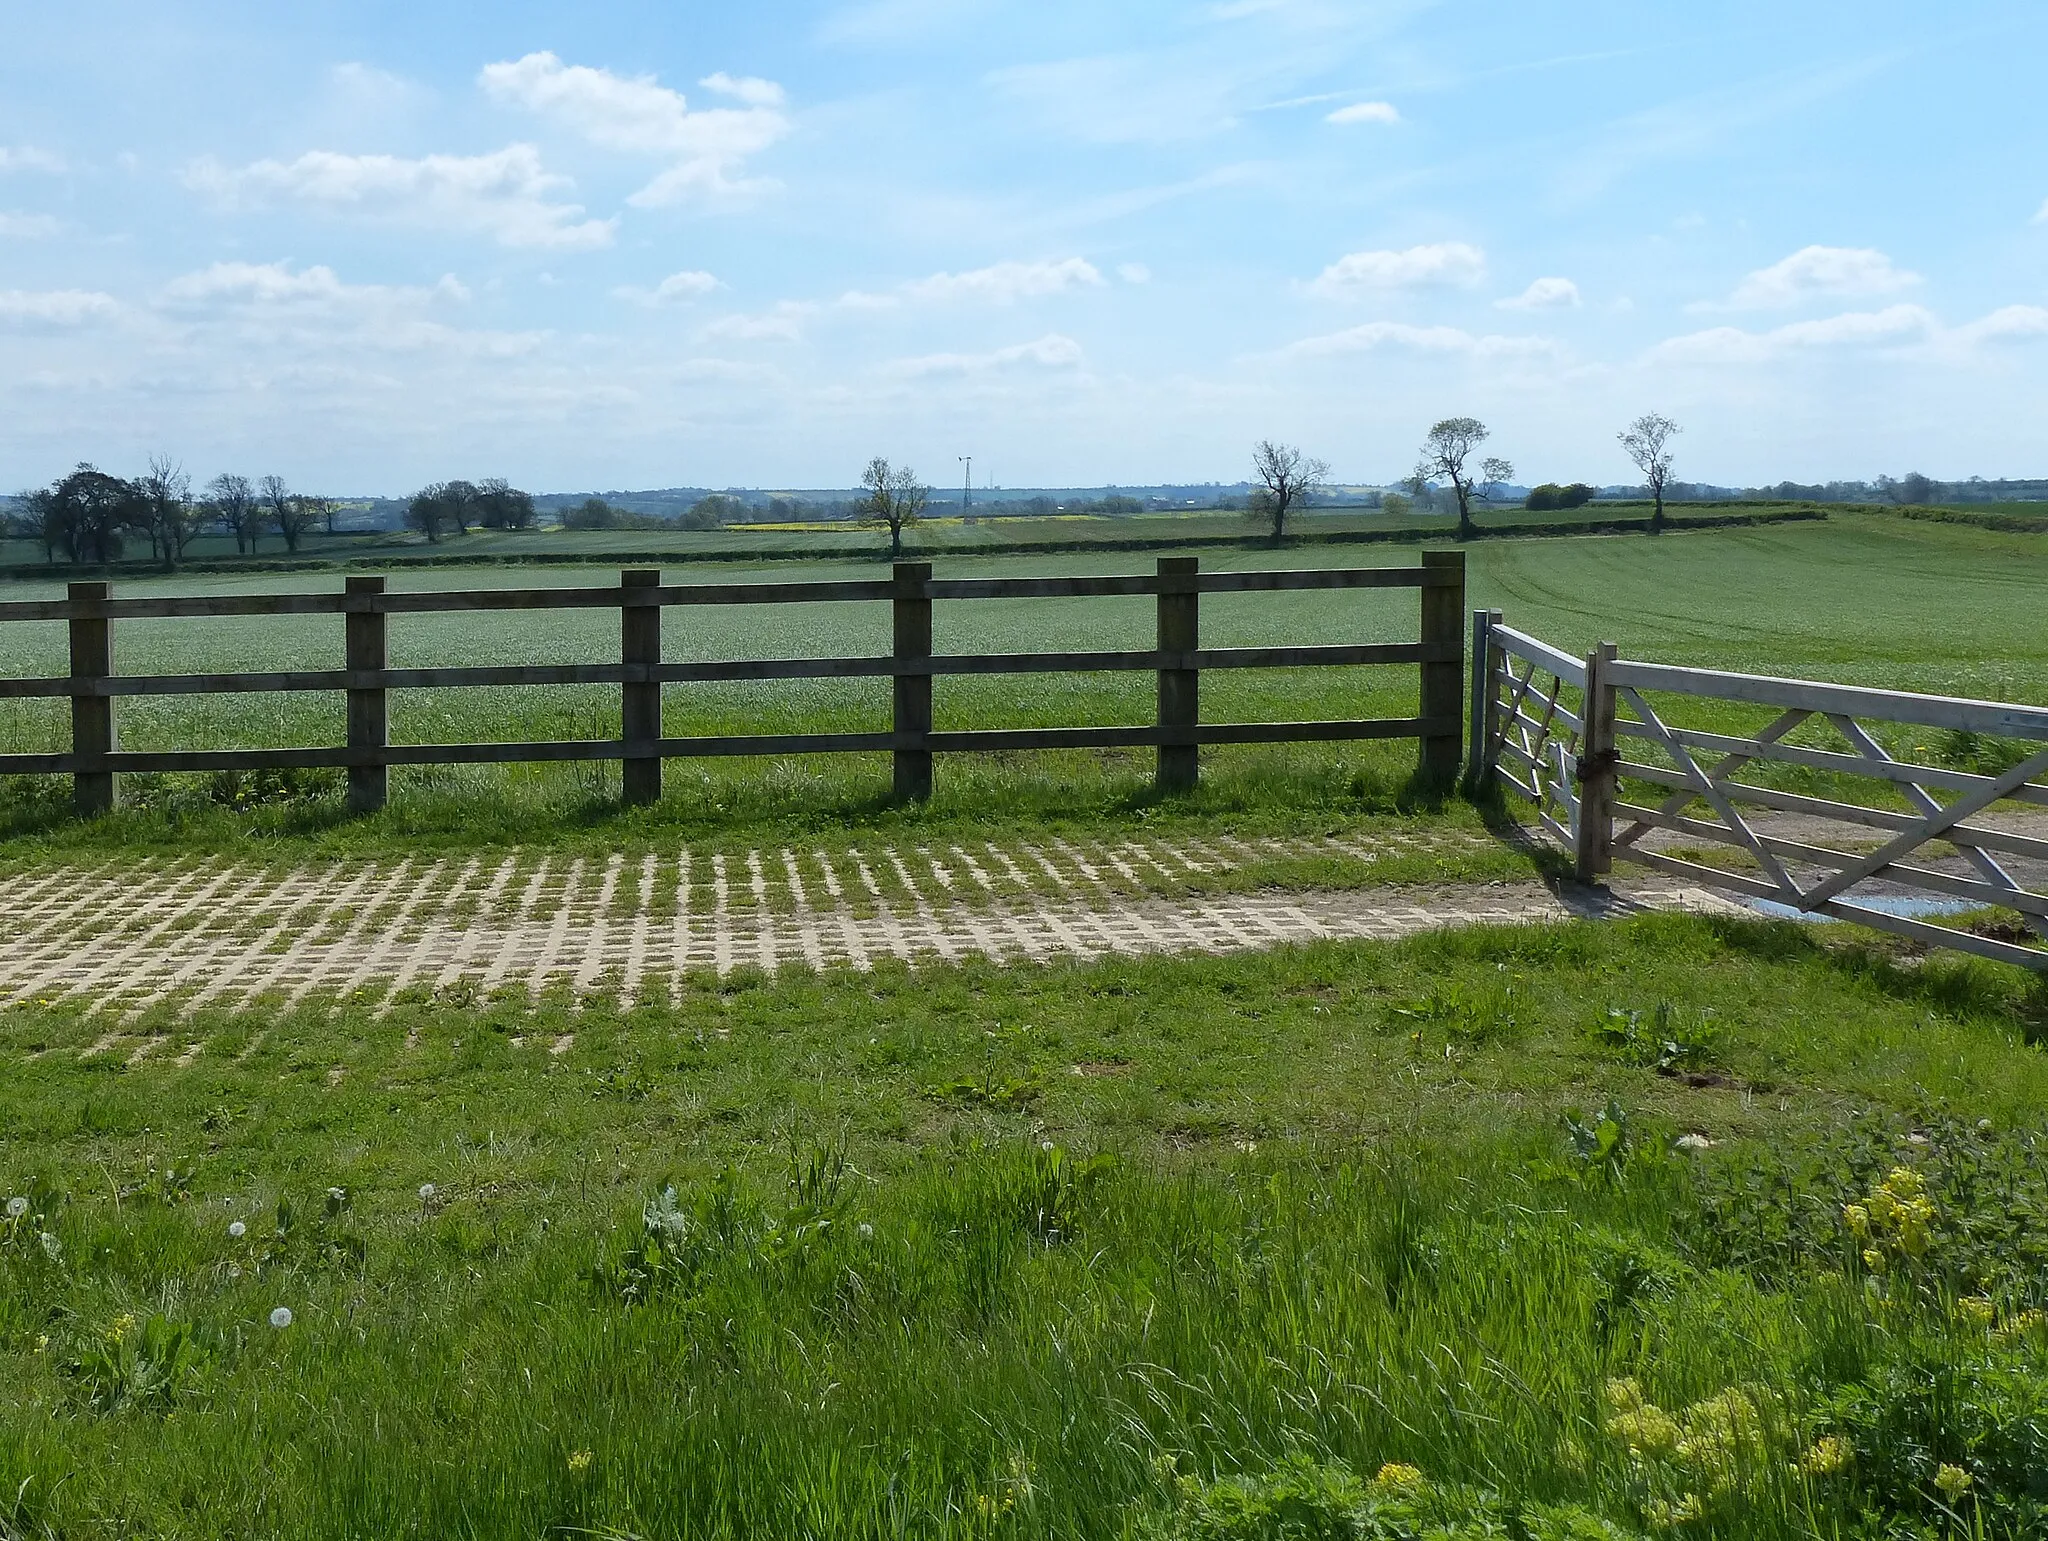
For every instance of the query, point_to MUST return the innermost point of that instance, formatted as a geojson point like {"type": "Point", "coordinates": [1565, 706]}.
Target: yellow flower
{"type": "Point", "coordinates": [1399, 1474]}
{"type": "Point", "coordinates": [122, 1326]}
{"type": "Point", "coordinates": [1857, 1218]}
{"type": "Point", "coordinates": [1953, 1482]}
{"type": "Point", "coordinates": [2019, 1326]}
{"type": "Point", "coordinates": [579, 1461]}
{"type": "Point", "coordinates": [1830, 1454]}
{"type": "Point", "coordinates": [1624, 1395]}
{"type": "Point", "coordinates": [1646, 1430]}
{"type": "Point", "coordinates": [1873, 1260]}
{"type": "Point", "coordinates": [1977, 1310]}
{"type": "Point", "coordinates": [1665, 1516]}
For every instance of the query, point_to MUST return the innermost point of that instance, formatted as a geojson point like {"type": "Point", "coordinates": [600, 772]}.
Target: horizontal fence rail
{"type": "Point", "coordinates": [1552, 727]}
{"type": "Point", "coordinates": [91, 610]}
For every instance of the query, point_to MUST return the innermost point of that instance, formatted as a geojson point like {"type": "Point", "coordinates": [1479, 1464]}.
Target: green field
{"type": "Point", "coordinates": [1200, 1249]}
{"type": "Point", "coordinates": [1866, 599]}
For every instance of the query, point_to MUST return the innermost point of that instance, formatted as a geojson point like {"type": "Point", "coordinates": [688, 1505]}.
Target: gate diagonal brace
{"type": "Point", "coordinates": [1689, 767]}
{"type": "Point", "coordinates": [1722, 770]}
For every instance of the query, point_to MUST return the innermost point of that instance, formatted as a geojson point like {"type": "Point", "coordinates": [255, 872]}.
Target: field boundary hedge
{"type": "Point", "coordinates": [2010, 524]}
{"type": "Point", "coordinates": [615, 556]}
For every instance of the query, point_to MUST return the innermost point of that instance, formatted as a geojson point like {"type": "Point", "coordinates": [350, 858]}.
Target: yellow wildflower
{"type": "Point", "coordinates": [1873, 1260]}
{"type": "Point", "coordinates": [2019, 1326]}
{"type": "Point", "coordinates": [1857, 1218]}
{"type": "Point", "coordinates": [1624, 1395]}
{"type": "Point", "coordinates": [1953, 1481]}
{"type": "Point", "coordinates": [1664, 1515]}
{"type": "Point", "coordinates": [1646, 1430]}
{"type": "Point", "coordinates": [1399, 1474]}
{"type": "Point", "coordinates": [1830, 1455]}
{"type": "Point", "coordinates": [1977, 1310]}
{"type": "Point", "coordinates": [122, 1326]}
{"type": "Point", "coordinates": [579, 1461]}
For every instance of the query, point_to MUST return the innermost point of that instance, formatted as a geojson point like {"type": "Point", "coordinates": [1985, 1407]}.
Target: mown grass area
{"type": "Point", "coordinates": [1349, 1240]}
{"type": "Point", "coordinates": [1865, 599]}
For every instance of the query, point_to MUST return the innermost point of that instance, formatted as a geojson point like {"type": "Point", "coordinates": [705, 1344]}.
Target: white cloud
{"type": "Point", "coordinates": [1365, 112]}
{"type": "Point", "coordinates": [1543, 294]}
{"type": "Point", "coordinates": [1374, 335]}
{"type": "Point", "coordinates": [1366, 272]}
{"type": "Point", "coordinates": [56, 307]}
{"type": "Point", "coordinates": [1134, 273]}
{"type": "Point", "coordinates": [784, 322]}
{"type": "Point", "coordinates": [677, 288]}
{"type": "Point", "coordinates": [1893, 326]}
{"type": "Point", "coordinates": [635, 115]}
{"type": "Point", "coordinates": [29, 158]}
{"type": "Point", "coordinates": [1007, 282]}
{"type": "Point", "coordinates": [1052, 351]}
{"type": "Point", "coordinates": [506, 194]}
{"type": "Point", "coordinates": [28, 227]}
{"type": "Point", "coordinates": [2010, 323]}
{"type": "Point", "coordinates": [1820, 272]}
{"type": "Point", "coordinates": [275, 284]}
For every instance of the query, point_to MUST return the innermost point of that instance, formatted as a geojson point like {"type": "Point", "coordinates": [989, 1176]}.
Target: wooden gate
{"type": "Point", "coordinates": [1893, 836]}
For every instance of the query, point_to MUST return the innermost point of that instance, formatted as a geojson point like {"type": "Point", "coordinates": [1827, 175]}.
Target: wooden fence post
{"type": "Point", "coordinates": [1180, 690]}
{"type": "Point", "coordinates": [1478, 699]}
{"type": "Point", "coordinates": [913, 695]}
{"type": "Point", "coordinates": [1595, 770]}
{"type": "Point", "coordinates": [369, 715]}
{"type": "Point", "coordinates": [93, 731]}
{"type": "Point", "coordinates": [640, 698]}
{"type": "Point", "coordinates": [1443, 684]}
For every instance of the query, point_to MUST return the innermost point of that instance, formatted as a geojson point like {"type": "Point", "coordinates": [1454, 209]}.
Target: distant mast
{"type": "Point", "coordinates": [967, 489]}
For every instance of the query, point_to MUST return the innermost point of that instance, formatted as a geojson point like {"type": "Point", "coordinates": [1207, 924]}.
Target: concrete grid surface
{"type": "Point", "coordinates": [171, 940]}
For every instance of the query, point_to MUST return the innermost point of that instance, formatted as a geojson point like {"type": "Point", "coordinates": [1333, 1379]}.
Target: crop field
{"type": "Point", "coordinates": [1580, 1233]}
{"type": "Point", "coordinates": [1872, 600]}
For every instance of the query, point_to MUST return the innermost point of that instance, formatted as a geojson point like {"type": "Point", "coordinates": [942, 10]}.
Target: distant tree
{"type": "Point", "coordinates": [1395, 504]}
{"type": "Point", "coordinates": [165, 510]}
{"type": "Point", "coordinates": [1577, 495]}
{"type": "Point", "coordinates": [1545, 497]}
{"type": "Point", "coordinates": [427, 511]}
{"type": "Point", "coordinates": [42, 521]}
{"type": "Point", "coordinates": [461, 504]}
{"type": "Point", "coordinates": [234, 505]}
{"type": "Point", "coordinates": [285, 512]}
{"type": "Point", "coordinates": [502, 506]}
{"type": "Point", "coordinates": [1445, 451]}
{"type": "Point", "coordinates": [1648, 441]}
{"type": "Point", "coordinates": [712, 512]}
{"type": "Point", "coordinates": [1288, 480]}
{"type": "Point", "coordinates": [1916, 490]}
{"type": "Point", "coordinates": [321, 511]}
{"type": "Point", "coordinates": [591, 514]}
{"type": "Point", "coordinates": [96, 510]}
{"type": "Point", "coordinates": [895, 500]}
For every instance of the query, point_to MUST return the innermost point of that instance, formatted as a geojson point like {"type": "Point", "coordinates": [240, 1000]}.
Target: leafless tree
{"type": "Point", "coordinates": [1445, 451]}
{"type": "Point", "coordinates": [1289, 480]}
{"type": "Point", "coordinates": [165, 510]}
{"type": "Point", "coordinates": [895, 500]}
{"type": "Point", "coordinates": [1648, 441]}
{"type": "Point", "coordinates": [42, 519]}
{"type": "Point", "coordinates": [233, 502]}
{"type": "Point", "coordinates": [428, 511]}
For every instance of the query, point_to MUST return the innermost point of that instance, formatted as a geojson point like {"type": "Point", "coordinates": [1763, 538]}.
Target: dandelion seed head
{"type": "Point", "coordinates": [866, 1230]}
{"type": "Point", "coordinates": [237, 1229]}
{"type": "Point", "coordinates": [17, 1207]}
{"type": "Point", "coordinates": [281, 1318]}
{"type": "Point", "coordinates": [426, 1193]}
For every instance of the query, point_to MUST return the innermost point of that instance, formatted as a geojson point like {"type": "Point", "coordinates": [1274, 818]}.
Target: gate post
{"type": "Point", "coordinates": [1594, 834]}
{"type": "Point", "coordinates": [1179, 631]}
{"type": "Point", "coordinates": [1443, 682]}
{"type": "Point", "coordinates": [1480, 703]}
{"type": "Point", "coordinates": [369, 718]}
{"type": "Point", "coordinates": [913, 695]}
{"type": "Point", "coordinates": [640, 695]}
{"type": "Point", "coordinates": [93, 730]}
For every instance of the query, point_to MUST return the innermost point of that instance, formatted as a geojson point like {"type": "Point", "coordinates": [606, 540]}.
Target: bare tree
{"type": "Point", "coordinates": [234, 503]}
{"type": "Point", "coordinates": [288, 514]}
{"type": "Point", "coordinates": [896, 500]}
{"type": "Point", "coordinates": [42, 519]}
{"type": "Point", "coordinates": [1289, 480]}
{"type": "Point", "coordinates": [1445, 451]}
{"type": "Point", "coordinates": [320, 510]}
{"type": "Point", "coordinates": [1648, 441]}
{"type": "Point", "coordinates": [462, 504]}
{"type": "Point", "coordinates": [502, 506]}
{"type": "Point", "coordinates": [428, 511]}
{"type": "Point", "coordinates": [165, 510]}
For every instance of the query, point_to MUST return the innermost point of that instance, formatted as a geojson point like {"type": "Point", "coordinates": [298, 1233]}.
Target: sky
{"type": "Point", "coordinates": [617, 245]}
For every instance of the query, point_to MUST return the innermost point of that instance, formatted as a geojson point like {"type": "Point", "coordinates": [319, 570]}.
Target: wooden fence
{"type": "Point", "coordinates": [1178, 659]}
{"type": "Point", "coordinates": [1552, 727]}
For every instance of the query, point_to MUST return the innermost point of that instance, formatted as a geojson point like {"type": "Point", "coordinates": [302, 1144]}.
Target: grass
{"type": "Point", "coordinates": [984, 1252]}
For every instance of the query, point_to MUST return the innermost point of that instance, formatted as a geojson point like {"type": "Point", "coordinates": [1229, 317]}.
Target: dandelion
{"type": "Point", "coordinates": [1829, 1456]}
{"type": "Point", "coordinates": [1692, 1142]}
{"type": "Point", "coordinates": [866, 1230]}
{"type": "Point", "coordinates": [1399, 1474]}
{"type": "Point", "coordinates": [281, 1318]}
{"type": "Point", "coordinates": [237, 1230]}
{"type": "Point", "coordinates": [1952, 1481]}
{"type": "Point", "coordinates": [579, 1461]}
{"type": "Point", "coordinates": [426, 1193]}
{"type": "Point", "coordinates": [17, 1207]}
{"type": "Point", "coordinates": [1045, 1144]}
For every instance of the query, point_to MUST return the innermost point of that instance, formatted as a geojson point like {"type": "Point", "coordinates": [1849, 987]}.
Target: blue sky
{"type": "Point", "coordinates": [623, 245]}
